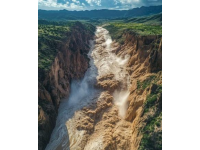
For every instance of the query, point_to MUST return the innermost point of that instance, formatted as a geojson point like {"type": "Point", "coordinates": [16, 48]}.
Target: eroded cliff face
{"type": "Point", "coordinates": [132, 117]}
{"type": "Point", "coordinates": [116, 103]}
{"type": "Point", "coordinates": [132, 107]}
{"type": "Point", "coordinates": [119, 95]}
{"type": "Point", "coordinates": [145, 100]}
{"type": "Point", "coordinates": [71, 62]}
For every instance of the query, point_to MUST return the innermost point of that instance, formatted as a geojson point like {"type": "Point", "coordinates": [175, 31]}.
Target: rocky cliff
{"type": "Point", "coordinates": [145, 99]}
{"type": "Point", "coordinates": [128, 113]}
{"type": "Point", "coordinates": [118, 103]}
{"type": "Point", "coordinates": [70, 62]}
{"type": "Point", "coordinates": [127, 120]}
{"type": "Point", "coordinates": [141, 125]}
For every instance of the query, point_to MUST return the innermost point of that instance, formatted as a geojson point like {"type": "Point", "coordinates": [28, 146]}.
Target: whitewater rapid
{"type": "Point", "coordinates": [83, 93]}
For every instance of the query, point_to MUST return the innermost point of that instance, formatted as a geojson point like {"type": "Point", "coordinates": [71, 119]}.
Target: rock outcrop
{"type": "Point", "coordinates": [71, 62]}
{"type": "Point", "coordinates": [145, 70]}
{"type": "Point", "coordinates": [144, 102]}
{"type": "Point", "coordinates": [126, 100]}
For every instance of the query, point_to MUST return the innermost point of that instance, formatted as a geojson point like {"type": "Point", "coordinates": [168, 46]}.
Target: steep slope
{"type": "Point", "coordinates": [145, 101]}
{"type": "Point", "coordinates": [118, 103]}
{"type": "Point", "coordinates": [144, 110]}
{"type": "Point", "coordinates": [89, 119]}
{"type": "Point", "coordinates": [62, 57]}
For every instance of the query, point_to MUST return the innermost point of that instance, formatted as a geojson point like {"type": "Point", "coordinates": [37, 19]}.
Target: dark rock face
{"type": "Point", "coordinates": [71, 62]}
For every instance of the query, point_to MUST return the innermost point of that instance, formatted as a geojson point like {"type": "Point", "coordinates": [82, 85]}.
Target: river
{"type": "Point", "coordinates": [103, 61]}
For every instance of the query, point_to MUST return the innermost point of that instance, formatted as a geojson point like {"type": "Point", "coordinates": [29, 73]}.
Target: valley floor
{"type": "Point", "coordinates": [93, 115]}
{"type": "Point", "coordinates": [117, 105]}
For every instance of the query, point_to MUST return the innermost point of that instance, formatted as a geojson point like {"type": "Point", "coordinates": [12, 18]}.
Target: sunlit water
{"type": "Point", "coordinates": [102, 61]}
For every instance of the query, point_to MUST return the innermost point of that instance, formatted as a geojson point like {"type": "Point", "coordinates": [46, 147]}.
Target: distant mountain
{"type": "Point", "coordinates": [155, 19]}
{"type": "Point", "coordinates": [142, 11]}
{"type": "Point", "coordinates": [97, 14]}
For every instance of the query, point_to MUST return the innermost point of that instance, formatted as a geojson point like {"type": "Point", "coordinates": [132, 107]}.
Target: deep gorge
{"type": "Point", "coordinates": [70, 62]}
{"type": "Point", "coordinates": [124, 81]}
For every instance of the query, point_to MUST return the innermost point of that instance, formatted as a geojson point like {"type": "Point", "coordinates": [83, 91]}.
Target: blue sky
{"type": "Point", "coordinates": [94, 4]}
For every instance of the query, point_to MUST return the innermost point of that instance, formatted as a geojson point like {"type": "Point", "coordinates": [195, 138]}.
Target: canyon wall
{"type": "Point", "coordinates": [145, 99]}
{"type": "Point", "coordinates": [128, 113]}
{"type": "Point", "coordinates": [118, 103]}
{"type": "Point", "coordinates": [129, 120]}
{"type": "Point", "coordinates": [118, 108]}
{"type": "Point", "coordinates": [71, 62]}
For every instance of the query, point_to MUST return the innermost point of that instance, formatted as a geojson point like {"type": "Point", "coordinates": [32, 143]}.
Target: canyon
{"type": "Point", "coordinates": [70, 62]}
{"type": "Point", "coordinates": [102, 95]}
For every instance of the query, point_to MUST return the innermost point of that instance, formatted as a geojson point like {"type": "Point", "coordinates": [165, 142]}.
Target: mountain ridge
{"type": "Point", "coordinates": [97, 14]}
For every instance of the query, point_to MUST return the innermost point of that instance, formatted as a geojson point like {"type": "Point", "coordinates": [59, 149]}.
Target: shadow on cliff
{"type": "Point", "coordinates": [59, 139]}
{"type": "Point", "coordinates": [82, 93]}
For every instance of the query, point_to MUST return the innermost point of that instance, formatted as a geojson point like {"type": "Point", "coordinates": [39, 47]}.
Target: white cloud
{"type": "Point", "coordinates": [116, 2]}
{"type": "Point", "coordinates": [74, 6]}
{"type": "Point", "coordinates": [94, 2]}
{"type": "Point", "coordinates": [53, 5]}
{"type": "Point", "coordinates": [128, 1]}
{"type": "Point", "coordinates": [128, 4]}
{"type": "Point", "coordinates": [76, 1]}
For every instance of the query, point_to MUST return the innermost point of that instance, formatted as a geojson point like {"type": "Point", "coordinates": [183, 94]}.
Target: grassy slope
{"type": "Point", "coordinates": [51, 37]}
{"type": "Point", "coordinates": [149, 25]}
{"type": "Point", "coordinates": [152, 131]}
{"type": "Point", "coordinates": [152, 19]}
{"type": "Point", "coordinates": [117, 29]}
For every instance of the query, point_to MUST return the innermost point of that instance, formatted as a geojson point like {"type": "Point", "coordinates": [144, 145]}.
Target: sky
{"type": "Point", "coordinates": [94, 4]}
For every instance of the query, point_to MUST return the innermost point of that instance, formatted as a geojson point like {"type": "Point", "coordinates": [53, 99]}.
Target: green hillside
{"type": "Point", "coordinates": [51, 37]}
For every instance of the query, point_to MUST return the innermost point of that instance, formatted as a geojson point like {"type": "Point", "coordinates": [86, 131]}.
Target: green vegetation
{"type": "Point", "coordinates": [152, 131]}
{"type": "Point", "coordinates": [66, 15]}
{"type": "Point", "coordinates": [152, 98]}
{"type": "Point", "coordinates": [152, 138]}
{"type": "Point", "coordinates": [152, 20]}
{"type": "Point", "coordinates": [117, 29]}
{"type": "Point", "coordinates": [139, 28]}
{"type": "Point", "coordinates": [157, 90]}
{"type": "Point", "coordinates": [49, 39]}
{"type": "Point", "coordinates": [52, 36]}
{"type": "Point", "coordinates": [143, 85]}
